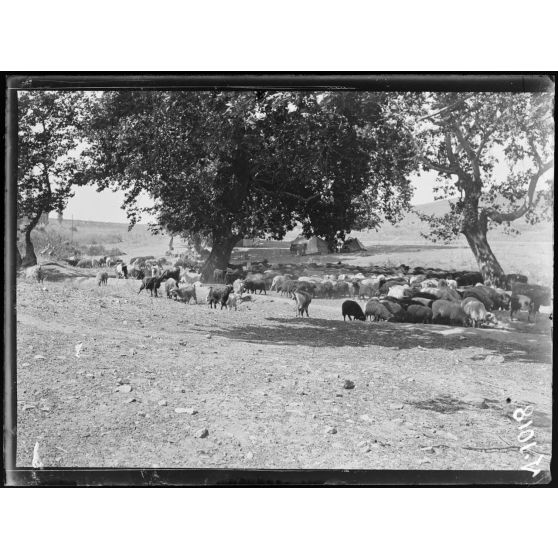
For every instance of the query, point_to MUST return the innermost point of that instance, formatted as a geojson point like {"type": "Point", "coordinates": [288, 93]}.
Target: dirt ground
{"type": "Point", "coordinates": [269, 388]}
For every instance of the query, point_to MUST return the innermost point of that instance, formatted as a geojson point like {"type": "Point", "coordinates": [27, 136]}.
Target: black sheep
{"type": "Point", "coordinates": [352, 309]}
{"type": "Point", "coordinates": [218, 295]}
{"type": "Point", "coordinates": [171, 274]}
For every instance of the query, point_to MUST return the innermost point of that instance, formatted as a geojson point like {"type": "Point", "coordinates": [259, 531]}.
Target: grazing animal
{"type": "Point", "coordinates": [480, 293]}
{"type": "Point", "coordinates": [150, 284]}
{"type": "Point", "coordinates": [475, 310]}
{"type": "Point", "coordinates": [218, 295]}
{"type": "Point", "coordinates": [515, 278]}
{"type": "Point", "coordinates": [418, 314]}
{"type": "Point", "coordinates": [36, 273]}
{"type": "Point", "coordinates": [185, 294]}
{"type": "Point", "coordinates": [395, 308]}
{"type": "Point", "coordinates": [84, 263]}
{"type": "Point", "coordinates": [136, 273]}
{"type": "Point", "coordinates": [518, 303]}
{"type": "Point", "coordinates": [422, 301]}
{"type": "Point", "coordinates": [376, 311]}
{"type": "Point", "coordinates": [253, 285]}
{"type": "Point", "coordinates": [122, 271]}
{"type": "Point", "coordinates": [232, 301]}
{"type": "Point", "coordinates": [303, 300]}
{"type": "Point", "coordinates": [170, 285]}
{"type": "Point", "coordinates": [352, 309]}
{"type": "Point", "coordinates": [102, 278]}
{"type": "Point", "coordinates": [444, 311]}
{"type": "Point", "coordinates": [171, 274]}
{"type": "Point", "coordinates": [539, 295]}
{"type": "Point", "coordinates": [470, 278]}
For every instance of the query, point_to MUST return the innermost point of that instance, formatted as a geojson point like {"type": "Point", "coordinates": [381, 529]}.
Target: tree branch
{"type": "Point", "coordinates": [469, 150]}
{"type": "Point", "coordinates": [500, 217]}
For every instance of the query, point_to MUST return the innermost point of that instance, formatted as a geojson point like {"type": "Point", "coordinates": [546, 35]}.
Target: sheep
{"type": "Point", "coordinates": [170, 285]}
{"type": "Point", "coordinates": [539, 295]}
{"type": "Point", "coordinates": [303, 300]}
{"type": "Point", "coordinates": [151, 284]}
{"type": "Point", "coordinates": [518, 303]}
{"type": "Point", "coordinates": [232, 301]}
{"type": "Point", "coordinates": [122, 271]}
{"type": "Point", "coordinates": [475, 310]}
{"type": "Point", "coordinates": [352, 309]}
{"type": "Point", "coordinates": [422, 301]}
{"type": "Point", "coordinates": [395, 308]}
{"type": "Point", "coordinates": [376, 311]}
{"type": "Point", "coordinates": [36, 273]}
{"type": "Point", "coordinates": [449, 312]}
{"type": "Point", "coordinates": [354, 289]}
{"type": "Point", "coordinates": [102, 278]}
{"type": "Point", "coordinates": [481, 293]}
{"type": "Point", "coordinates": [399, 291]}
{"type": "Point", "coordinates": [185, 294]}
{"type": "Point", "coordinates": [84, 263]}
{"type": "Point", "coordinates": [417, 313]}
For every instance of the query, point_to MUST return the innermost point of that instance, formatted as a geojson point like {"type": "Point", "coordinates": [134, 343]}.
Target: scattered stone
{"type": "Point", "coordinates": [46, 409]}
{"type": "Point", "coordinates": [124, 388]}
{"type": "Point", "coordinates": [208, 335]}
{"type": "Point", "coordinates": [132, 352]}
{"type": "Point", "coordinates": [424, 461]}
{"type": "Point", "coordinates": [124, 322]}
{"type": "Point", "coordinates": [39, 357]}
{"type": "Point", "coordinates": [89, 375]}
{"type": "Point", "coordinates": [131, 400]}
{"type": "Point", "coordinates": [396, 406]}
{"type": "Point", "coordinates": [186, 410]}
{"type": "Point", "coordinates": [428, 449]}
{"type": "Point", "coordinates": [349, 384]}
{"type": "Point", "coordinates": [162, 403]}
{"type": "Point", "coordinates": [27, 407]}
{"type": "Point", "coordinates": [331, 430]}
{"type": "Point", "coordinates": [202, 433]}
{"type": "Point", "coordinates": [366, 418]}
{"type": "Point", "coordinates": [491, 359]}
{"type": "Point", "coordinates": [249, 456]}
{"type": "Point", "coordinates": [141, 413]}
{"type": "Point", "coordinates": [25, 365]}
{"type": "Point", "coordinates": [362, 444]}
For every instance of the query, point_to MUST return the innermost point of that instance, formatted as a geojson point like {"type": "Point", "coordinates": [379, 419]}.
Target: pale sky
{"type": "Point", "coordinates": [90, 205]}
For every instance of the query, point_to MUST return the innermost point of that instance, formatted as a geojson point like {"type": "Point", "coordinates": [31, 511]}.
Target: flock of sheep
{"type": "Point", "coordinates": [400, 297]}
{"type": "Point", "coordinates": [417, 297]}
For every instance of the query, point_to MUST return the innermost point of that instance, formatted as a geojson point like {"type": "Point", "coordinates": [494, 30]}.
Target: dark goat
{"type": "Point", "coordinates": [171, 274]}
{"type": "Point", "coordinates": [218, 295]}
{"type": "Point", "coordinates": [352, 309]}
{"type": "Point", "coordinates": [151, 284]}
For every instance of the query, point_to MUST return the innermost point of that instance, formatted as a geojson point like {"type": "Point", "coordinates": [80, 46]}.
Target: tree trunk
{"type": "Point", "coordinates": [30, 257]}
{"type": "Point", "coordinates": [491, 270]}
{"type": "Point", "coordinates": [171, 243]}
{"type": "Point", "coordinates": [18, 258]}
{"type": "Point", "coordinates": [220, 255]}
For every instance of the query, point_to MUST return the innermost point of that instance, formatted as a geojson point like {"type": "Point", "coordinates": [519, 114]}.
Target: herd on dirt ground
{"type": "Point", "coordinates": [389, 294]}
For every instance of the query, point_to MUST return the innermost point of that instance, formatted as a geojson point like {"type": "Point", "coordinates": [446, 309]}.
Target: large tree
{"type": "Point", "coordinates": [228, 165]}
{"type": "Point", "coordinates": [47, 135]}
{"type": "Point", "coordinates": [492, 152]}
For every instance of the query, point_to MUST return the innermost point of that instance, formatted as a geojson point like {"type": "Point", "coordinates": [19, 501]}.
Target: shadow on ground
{"type": "Point", "coordinates": [315, 332]}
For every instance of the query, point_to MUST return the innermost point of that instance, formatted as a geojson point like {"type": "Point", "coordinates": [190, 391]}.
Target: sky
{"type": "Point", "coordinates": [90, 205]}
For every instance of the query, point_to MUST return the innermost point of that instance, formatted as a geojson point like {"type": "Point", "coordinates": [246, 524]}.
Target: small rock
{"type": "Point", "coordinates": [424, 461]}
{"type": "Point", "coordinates": [125, 388]}
{"type": "Point", "coordinates": [132, 352]}
{"type": "Point", "coordinates": [208, 336]}
{"type": "Point", "coordinates": [46, 409]}
{"type": "Point", "coordinates": [349, 384]}
{"type": "Point", "coordinates": [89, 375]}
{"type": "Point", "coordinates": [202, 433]}
{"type": "Point", "coordinates": [162, 403]}
{"type": "Point", "coordinates": [428, 449]}
{"type": "Point", "coordinates": [396, 406]}
{"type": "Point", "coordinates": [185, 410]}
{"type": "Point", "coordinates": [131, 400]}
{"type": "Point", "coordinates": [366, 418]}
{"type": "Point", "coordinates": [39, 357]}
{"type": "Point", "coordinates": [362, 444]}
{"type": "Point", "coordinates": [494, 359]}
{"type": "Point", "coordinates": [27, 407]}
{"type": "Point", "coordinates": [331, 430]}
{"type": "Point", "coordinates": [124, 322]}
{"type": "Point", "coordinates": [25, 365]}
{"type": "Point", "coordinates": [249, 456]}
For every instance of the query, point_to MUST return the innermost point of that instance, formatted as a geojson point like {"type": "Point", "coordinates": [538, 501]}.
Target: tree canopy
{"type": "Point", "coordinates": [47, 135]}
{"type": "Point", "coordinates": [492, 152]}
{"type": "Point", "coordinates": [234, 164]}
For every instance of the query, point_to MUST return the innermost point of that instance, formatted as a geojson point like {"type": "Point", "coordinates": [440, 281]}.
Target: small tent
{"type": "Point", "coordinates": [353, 245]}
{"type": "Point", "coordinates": [317, 245]}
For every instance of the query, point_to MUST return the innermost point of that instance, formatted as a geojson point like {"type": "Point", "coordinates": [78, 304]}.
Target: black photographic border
{"type": "Point", "coordinates": [400, 81]}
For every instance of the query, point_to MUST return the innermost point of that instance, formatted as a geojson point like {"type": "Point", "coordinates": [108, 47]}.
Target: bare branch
{"type": "Point", "coordinates": [469, 150]}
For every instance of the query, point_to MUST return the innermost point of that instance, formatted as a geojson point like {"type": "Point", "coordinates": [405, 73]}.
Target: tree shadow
{"type": "Point", "coordinates": [317, 332]}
